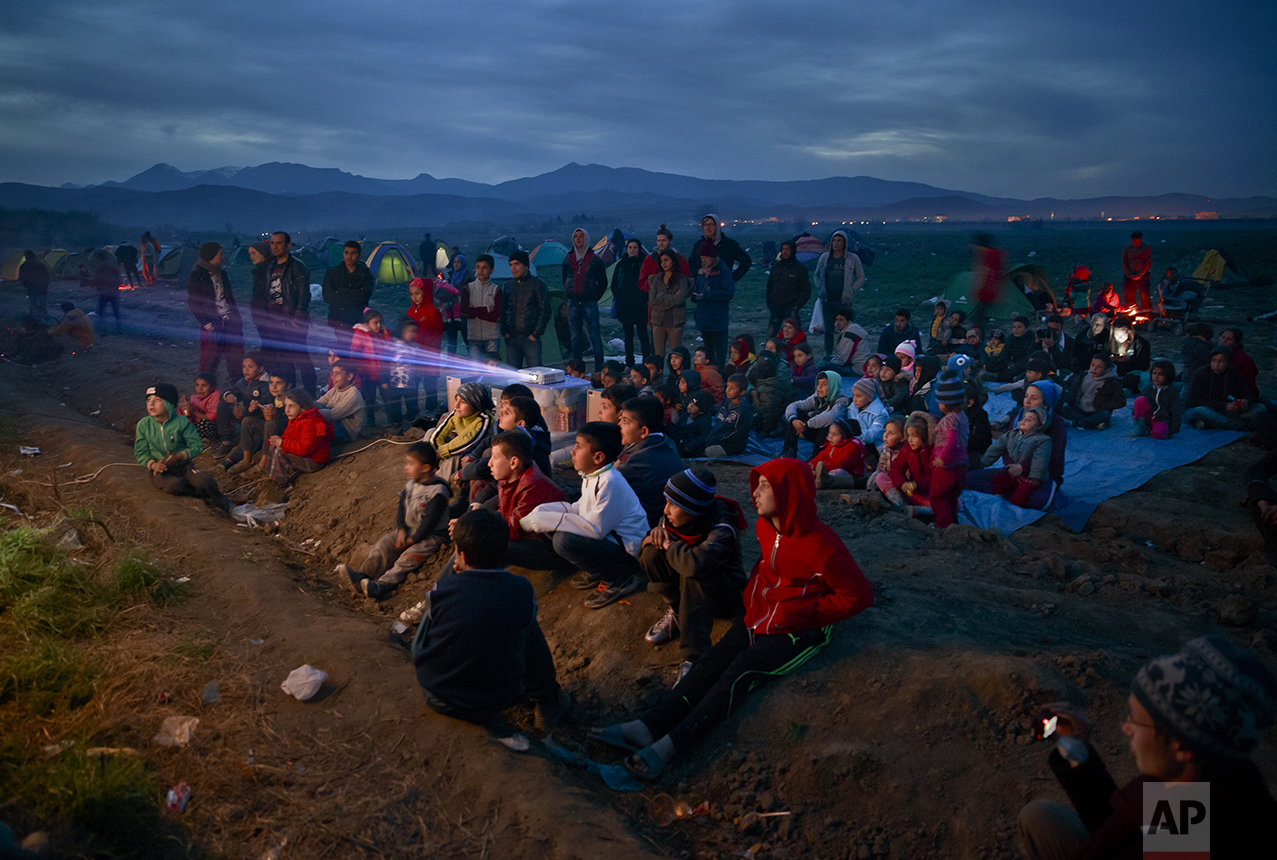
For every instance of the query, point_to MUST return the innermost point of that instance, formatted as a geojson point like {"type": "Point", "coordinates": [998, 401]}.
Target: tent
{"type": "Point", "coordinates": [500, 251]}
{"type": "Point", "coordinates": [11, 264]}
{"type": "Point", "coordinates": [807, 249]}
{"type": "Point", "coordinates": [53, 260]}
{"type": "Point", "coordinates": [239, 257]}
{"type": "Point", "coordinates": [392, 263]}
{"type": "Point", "coordinates": [1011, 302]}
{"type": "Point", "coordinates": [176, 265]}
{"type": "Point", "coordinates": [67, 266]}
{"type": "Point", "coordinates": [1210, 265]}
{"type": "Point", "coordinates": [610, 248]}
{"type": "Point", "coordinates": [549, 253]}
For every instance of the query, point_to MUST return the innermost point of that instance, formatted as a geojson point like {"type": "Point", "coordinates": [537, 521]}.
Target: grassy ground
{"type": "Point", "coordinates": [55, 609]}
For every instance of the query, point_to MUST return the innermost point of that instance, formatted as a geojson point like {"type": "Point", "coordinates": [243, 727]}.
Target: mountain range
{"type": "Point", "coordinates": [302, 198]}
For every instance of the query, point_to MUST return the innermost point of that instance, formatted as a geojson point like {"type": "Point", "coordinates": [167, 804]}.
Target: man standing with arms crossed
{"type": "Point", "coordinates": [347, 288]}
{"type": "Point", "coordinates": [525, 312]}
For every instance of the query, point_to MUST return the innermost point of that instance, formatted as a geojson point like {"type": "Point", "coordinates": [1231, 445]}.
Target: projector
{"type": "Point", "coordinates": [543, 375]}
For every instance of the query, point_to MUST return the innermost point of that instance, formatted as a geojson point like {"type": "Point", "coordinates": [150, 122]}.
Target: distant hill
{"type": "Point", "coordinates": [298, 197]}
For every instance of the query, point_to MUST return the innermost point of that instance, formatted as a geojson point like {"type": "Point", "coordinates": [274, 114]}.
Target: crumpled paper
{"type": "Point", "coordinates": [176, 731]}
{"type": "Point", "coordinates": [303, 682]}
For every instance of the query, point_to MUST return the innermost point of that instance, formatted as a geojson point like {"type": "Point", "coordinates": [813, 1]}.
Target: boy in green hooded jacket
{"type": "Point", "coordinates": [166, 444]}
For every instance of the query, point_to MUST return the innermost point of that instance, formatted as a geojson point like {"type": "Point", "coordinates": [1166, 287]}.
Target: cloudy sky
{"type": "Point", "coordinates": [1063, 99]}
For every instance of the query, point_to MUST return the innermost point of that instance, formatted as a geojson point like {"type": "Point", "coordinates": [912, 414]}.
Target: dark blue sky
{"type": "Point", "coordinates": [1063, 99]}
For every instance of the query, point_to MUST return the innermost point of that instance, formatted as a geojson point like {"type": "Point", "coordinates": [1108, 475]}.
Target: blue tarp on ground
{"type": "Point", "coordinates": [1099, 465]}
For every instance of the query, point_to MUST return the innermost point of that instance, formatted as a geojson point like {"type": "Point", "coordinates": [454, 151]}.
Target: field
{"type": "Point", "coordinates": [907, 738]}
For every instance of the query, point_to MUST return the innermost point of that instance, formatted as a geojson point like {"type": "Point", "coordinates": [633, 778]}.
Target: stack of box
{"type": "Point", "coordinates": [562, 403]}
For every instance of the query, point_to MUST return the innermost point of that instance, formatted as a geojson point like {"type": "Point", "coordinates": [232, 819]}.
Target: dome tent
{"type": "Point", "coordinates": [11, 264]}
{"type": "Point", "coordinates": [549, 253]}
{"type": "Point", "coordinates": [500, 251]}
{"type": "Point", "coordinates": [392, 263]}
{"type": "Point", "coordinates": [176, 265]}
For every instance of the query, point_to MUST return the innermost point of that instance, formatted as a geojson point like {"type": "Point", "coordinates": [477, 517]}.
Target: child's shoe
{"type": "Point", "coordinates": [413, 614]}
{"type": "Point", "coordinates": [241, 467]}
{"type": "Point", "coordinates": [820, 475]}
{"type": "Point", "coordinates": [1141, 427]}
{"type": "Point", "coordinates": [1161, 430]}
{"type": "Point", "coordinates": [350, 578]}
{"type": "Point", "coordinates": [374, 589]}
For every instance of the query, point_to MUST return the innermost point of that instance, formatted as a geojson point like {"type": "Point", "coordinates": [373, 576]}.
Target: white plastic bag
{"type": "Point", "coordinates": [303, 682]}
{"type": "Point", "coordinates": [251, 515]}
{"type": "Point", "coordinates": [176, 731]}
{"type": "Point", "coordinates": [817, 318]}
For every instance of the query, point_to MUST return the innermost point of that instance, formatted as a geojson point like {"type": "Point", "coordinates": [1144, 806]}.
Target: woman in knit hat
{"type": "Point", "coordinates": [1192, 717]}
{"type": "Point", "coordinates": [209, 296]}
{"type": "Point", "coordinates": [463, 431]}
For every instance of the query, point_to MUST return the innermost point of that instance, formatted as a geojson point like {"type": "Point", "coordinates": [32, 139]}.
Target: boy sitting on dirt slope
{"type": "Point", "coordinates": [479, 645]}
{"type": "Point", "coordinates": [1194, 717]}
{"type": "Point", "coordinates": [166, 443]}
{"type": "Point", "coordinates": [805, 581]}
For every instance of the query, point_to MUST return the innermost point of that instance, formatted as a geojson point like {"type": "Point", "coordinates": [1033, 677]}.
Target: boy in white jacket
{"type": "Point", "coordinates": [601, 533]}
{"type": "Point", "coordinates": [342, 404]}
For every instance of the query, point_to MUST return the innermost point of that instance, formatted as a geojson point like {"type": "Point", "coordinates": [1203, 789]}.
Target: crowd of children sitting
{"type": "Point", "coordinates": [906, 422]}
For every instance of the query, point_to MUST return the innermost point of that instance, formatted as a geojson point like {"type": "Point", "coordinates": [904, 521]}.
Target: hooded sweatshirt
{"type": "Point", "coordinates": [1092, 395]}
{"type": "Point", "coordinates": [853, 275]}
{"type": "Point", "coordinates": [806, 578]}
{"type": "Point", "coordinates": [1030, 450]}
{"type": "Point", "coordinates": [1216, 390]}
{"type": "Point", "coordinates": [584, 277]}
{"type": "Point", "coordinates": [365, 349]}
{"type": "Point", "coordinates": [308, 435]}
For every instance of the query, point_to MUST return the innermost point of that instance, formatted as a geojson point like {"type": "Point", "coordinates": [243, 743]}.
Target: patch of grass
{"type": "Point", "coordinates": [42, 593]}
{"type": "Point", "coordinates": [196, 652]}
{"type": "Point", "coordinates": [112, 800]}
{"type": "Point", "coordinates": [138, 576]}
{"type": "Point", "coordinates": [47, 676]}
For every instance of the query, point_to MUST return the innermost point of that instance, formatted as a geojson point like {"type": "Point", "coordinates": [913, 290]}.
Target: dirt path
{"type": "Point", "coordinates": [907, 738]}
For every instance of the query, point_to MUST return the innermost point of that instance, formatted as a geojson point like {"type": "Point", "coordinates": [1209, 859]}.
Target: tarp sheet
{"type": "Point", "coordinates": [1099, 465]}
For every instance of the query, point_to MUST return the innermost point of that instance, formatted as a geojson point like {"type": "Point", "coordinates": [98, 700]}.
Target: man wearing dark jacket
{"type": "Point", "coordinates": [525, 312]}
{"type": "Point", "coordinates": [649, 457]}
{"type": "Point", "coordinates": [126, 256]}
{"type": "Point", "coordinates": [209, 296]}
{"type": "Point", "coordinates": [479, 645]}
{"type": "Point", "coordinates": [788, 288]}
{"type": "Point", "coordinates": [730, 252]}
{"type": "Point", "coordinates": [287, 302]}
{"type": "Point", "coordinates": [584, 283]}
{"type": "Point", "coordinates": [34, 277]}
{"type": "Point", "coordinates": [897, 332]}
{"type": "Point", "coordinates": [347, 288]}
{"type": "Point", "coordinates": [1193, 717]}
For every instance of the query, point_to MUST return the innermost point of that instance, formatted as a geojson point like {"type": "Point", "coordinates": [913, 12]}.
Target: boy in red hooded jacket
{"type": "Point", "coordinates": [805, 581]}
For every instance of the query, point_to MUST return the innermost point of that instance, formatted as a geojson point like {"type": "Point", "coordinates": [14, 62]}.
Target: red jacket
{"type": "Point", "coordinates": [806, 578]}
{"type": "Point", "coordinates": [848, 455]}
{"type": "Point", "coordinates": [308, 435]}
{"type": "Point", "coordinates": [515, 501]}
{"type": "Point", "coordinates": [712, 381]}
{"type": "Point", "coordinates": [1250, 372]}
{"type": "Point", "coordinates": [911, 465]}
{"type": "Point", "coordinates": [364, 349]}
{"type": "Point", "coordinates": [429, 324]}
{"type": "Point", "coordinates": [800, 337]}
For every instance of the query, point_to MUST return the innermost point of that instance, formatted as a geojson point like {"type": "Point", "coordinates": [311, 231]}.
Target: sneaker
{"type": "Point", "coordinates": [516, 742]}
{"type": "Point", "coordinates": [585, 581]}
{"type": "Point", "coordinates": [223, 449]}
{"type": "Point", "coordinates": [820, 475]}
{"type": "Point", "coordinates": [242, 466]}
{"type": "Point", "coordinates": [1200, 425]}
{"type": "Point", "coordinates": [372, 588]}
{"type": "Point", "coordinates": [350, 577]}
{"type": "Point", "coordinates": [609, 594]}
{"type": "Point", "coordinates": [413, 614]}
{"type": "Point", "coordinates": [683, 669]}
{"type": "Point", "coordinates": [664, 630]}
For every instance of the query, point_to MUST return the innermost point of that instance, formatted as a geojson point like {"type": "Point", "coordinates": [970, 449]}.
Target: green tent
{"type": "Point", "coordinates": [1011, 302]}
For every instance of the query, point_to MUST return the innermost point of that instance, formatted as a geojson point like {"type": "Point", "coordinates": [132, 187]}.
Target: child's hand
{"type": "Point", "coordinates": [239, 411]}
{"type": "Point", "coordinates": [157, 467]}
{"type": "Point", "coordinates": [275, 441]}
{"type": "Point", "coordinates": [1015, 470]}
{"type": "Point", "coordinates": [451, 523]}
{"type": "Point", "coordinates": [229, 397]}
{"type": "Point", "coordinates": [908, 488]}
{"type": "Point", "coordinates": [401, 537]}
{"type": "Point", "coordinates": [798, 424]}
